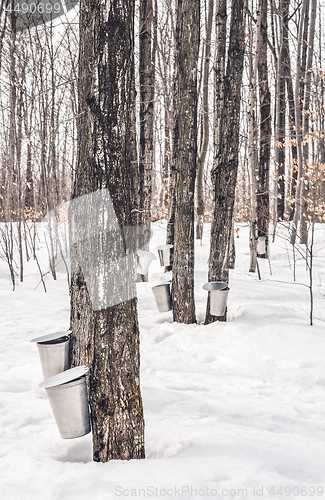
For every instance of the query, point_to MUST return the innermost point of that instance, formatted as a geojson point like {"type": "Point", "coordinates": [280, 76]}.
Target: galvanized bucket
{"type": "Point", "coordinates": [67, 393]}
{"type": "Point", "coordinates": [218, 301]}
{"type": "Point", "coordinates": [261, 245]}
{"type": "Point", "coordinates": [144, 261]}
{"type": "Point", "coordinates": [219, 292]}
{"type": "Point", "coordinates": [164, 252]}
{"type": "Point", "coordinates": [163, 297]}
{"type": "Point", "coordinates": [53, 352]}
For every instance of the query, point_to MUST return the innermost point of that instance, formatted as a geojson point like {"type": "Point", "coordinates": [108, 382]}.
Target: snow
{"type": "Point", "coordinates": [232, 409]}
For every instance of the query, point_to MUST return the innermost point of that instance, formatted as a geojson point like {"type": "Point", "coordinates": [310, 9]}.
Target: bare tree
{"type": "Point", "coordinates": [185, 156]}
{"type": "Point", "coordinates": [280, 111]}
{"type": "Point", "coordinates": [298, 109]}
{"type": "Point", "coordinates": [252, 142]}
{"type": "Point", "coordinates": [228, 82]}
{"type": "Point", "coordinates": [306, 121]}
{"type": "Point", "coordinates": [205, 125]}
{"type": "Point", "coordinates": [265, 125]}
{"type": "Point", "coordinates": [147, 93]}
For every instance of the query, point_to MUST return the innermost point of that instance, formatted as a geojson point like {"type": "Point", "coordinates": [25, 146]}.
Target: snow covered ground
{"type": "Point", "coordinates": [232, 410]}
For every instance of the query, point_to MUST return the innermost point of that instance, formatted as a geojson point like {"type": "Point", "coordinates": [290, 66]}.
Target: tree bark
{"type": "Point", "coordinates": [265, 126]}
{"type": "Point", "coordinates": [252, 148]}
{"type": "Point", "coordinates": [185, 156]}
{"type": "Point", "coordinates": [147, 89]}
{"type": "Point", "coordinates": [169, 172]}
{"type": "Point", "coordinates": [304, 185]}
{"type": "Point", "coordinates": [286, 65]}
{"type": "Point", "coordinates": [226, 137]}
{"type": "Point", "coordinates": [19, 174]}
{"type": "Point", "coordinates": [280, 117]}
{"type": "Point", "coordinates": [298, 198]}
{"type": "Point", "coordinates": [106, 337]}
{"type": "Point", "coordinates": [10, 205]}
{"type": "Point", "coordinates": [305, 123]}
{"type": "Point", "coordinates": [205, 127]}
{"type": "Point", "coordinates": [29, 200]}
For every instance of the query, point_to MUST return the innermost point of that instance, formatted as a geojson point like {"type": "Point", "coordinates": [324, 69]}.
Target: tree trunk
{"type": "Point", "coordinates": [304, 185]}
{"type": "Point", "coordinates": [252, 148]}
{"type": "Point", "coordinates": [53, 177]}
{"type": "Point", "coordinates": [185, 156]}
{"type": "Point", "coordinates": [286, 65]}
{"type": "Point", "coordinates": [154, 186]}
{"type": "Point", "coordinates": [321, 99]}
{"type": "Point", "coordinates": [147, 89]}
{"type": "Point", "coordinates": [205, 127]}
{"type": "Point", "coordinates": [265, 126]}
{"type": "Point", "coordinates": [305, 123]}
{"type": "Point", "coordinates": [19, 176]}
{"type": "Point", "coordinates": [29, 201]}
{"type": "Point", "coordinates": [3, 31]}
{"type": "Point", "coordinates": [300, 180]}
{"type": "Point", "coordinates": [169, 173]}
{"type": "Point", "coordinates": [232, 247]}
{"type": "Point", "coordinates": [280, 119]}
{"type": "Point", "coordinates": [165, 191]}
{"type": "Point", "coordinates": [10, 205]}
{"type": "Point", "coordinates": [105, 330]}
{"type": "Point", "coordinates": [226, 138]}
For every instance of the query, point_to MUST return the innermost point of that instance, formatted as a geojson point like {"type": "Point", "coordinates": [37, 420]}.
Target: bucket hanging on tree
{"type": "Point", "coordinates": [67, 393]}
{"type": "Point", "coordinates": [53, 351]}
{"type": "Point", "coordinates": [219, 292]}
{"type": "Point", "coordinates": [145, 259]}
{"type": "Point", "coordinates": [261, 245]}
{"type": "Point", "coordinates": [165, 255]}
{"type": "Point", "coordinates": [163, 297]}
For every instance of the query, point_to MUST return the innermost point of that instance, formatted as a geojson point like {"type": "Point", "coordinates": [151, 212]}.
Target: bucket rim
{"type": "Point", "coordinates": [168, 282]}
{"type": "Point", "coordinates": [52, 336]}
{"type": "Point", "coordinates": [216, 285]}
{"type": "Point", "coordinates": [64, 377]}
{"type": "Point", "coordinates": [146, 254]}
{"type": "Point", "coordinates": [166, 246]}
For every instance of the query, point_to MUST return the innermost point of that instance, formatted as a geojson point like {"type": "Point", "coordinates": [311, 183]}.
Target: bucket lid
{"type": "Point", "coordinates": [64, 377]}
{"type": "Point", "coordinates": [52, 336]}
{"type": "Point", "coordinates": [215, 285]}
{"type": "Point", "coordinates": [148, 255]}
{"type": "Point", "coordinates": [165, 247]}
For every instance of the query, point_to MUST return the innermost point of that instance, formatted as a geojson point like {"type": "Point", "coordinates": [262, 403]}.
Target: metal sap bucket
{"type": "Point", "coordinates": [163, 297]}
{"type": "Point", "coordinates": [219, 292]}
{"type": "Point", "coordinates": [67, 393]}
{"type": "Point", "coordinates": [53, 351]}
{"type": "Point", "coordinates": [165, 256]}
{"type": "Point", "coordinates": [145, 258]}
{"type": "Point", "coordinates": [261, 245]}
